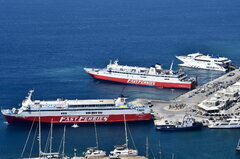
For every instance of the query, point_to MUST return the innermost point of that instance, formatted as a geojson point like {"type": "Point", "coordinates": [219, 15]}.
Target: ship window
{"type": "Point", "coordinates": [100, 109]}
{"type": "Point", "coordinates": [63, 112]}
{"type": "Point", "coordinates": [93, 105]}
{"type": "Point", "coordinates": [224, 123]}
{"type": "Point", "coordinates": [88, 112]}
{"type": "Point", "coordinates": [99, 112]}
{"type": "Point", "coordinates": [202, 60]}
{"type": "Point", "coordinates": [233, 123]}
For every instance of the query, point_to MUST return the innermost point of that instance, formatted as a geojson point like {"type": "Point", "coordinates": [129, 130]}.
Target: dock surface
{"type": "Point", "coordinates": [174, 110]}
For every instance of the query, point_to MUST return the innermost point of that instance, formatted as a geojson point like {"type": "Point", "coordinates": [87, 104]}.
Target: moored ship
{"type": "Point", "coordinates": [124, 150]}
{"type": "Point", "coordinates": [76, 111]}
{"type": "Point", "coordinates": [188, 123]}
{"type": "Point", "coordinates": [153, 76]}
{"type": "Point", "coordinates": [238, 146]}
{"type": "Point", "coordinates": [232, 123]}
{"type": "Point", "coordinates": [198, 60]}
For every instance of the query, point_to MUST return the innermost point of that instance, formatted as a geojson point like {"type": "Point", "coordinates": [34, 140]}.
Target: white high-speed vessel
{"type": "Point", "coordinates": [198, 60]}
{"type": "Point", "coordinates": [232, 123]}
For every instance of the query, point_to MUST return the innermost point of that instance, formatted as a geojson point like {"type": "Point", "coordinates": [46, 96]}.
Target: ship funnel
{"type": "Point", "coordinates": [121, 100]}
{"type": "Point", "coordinates": [28, 100]}
{"type": "Point", "coordinates": [152, 70]}
{"type": "Point", "coordinates": [116, 62]}
{"type": "Point", "coordinates": [158, 66]}
{"type": "Point", "coordinates": [171, 68]}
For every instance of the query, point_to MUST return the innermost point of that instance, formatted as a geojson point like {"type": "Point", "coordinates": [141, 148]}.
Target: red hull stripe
{"type": "Point", "coordinates": [80, 119]}
{"type": "Point", "coordinates": [146, 83]}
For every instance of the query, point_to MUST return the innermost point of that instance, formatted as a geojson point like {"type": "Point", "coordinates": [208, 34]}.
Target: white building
{"type": "Point", "coordinates": [221, 99]}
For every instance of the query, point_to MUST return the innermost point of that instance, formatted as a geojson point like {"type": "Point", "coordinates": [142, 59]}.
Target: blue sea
{"type": "Point", "coordinates": [45, 44]}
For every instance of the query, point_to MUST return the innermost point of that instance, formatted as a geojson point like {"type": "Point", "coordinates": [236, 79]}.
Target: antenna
{"type": "Point", "coordinates": [160, 151]}
{"type": "Point", "coordinates": [64, 135]}
{"type": "Point", "coordinates": [147, 147]}
{"type": "Point", "coordinates": [29, 133]}
{"type": "Point", "coordinates": [75, 152]}
{"type": "Point", "coordinates": [50, 147]}
{"type": "Point", "coordinates": [96, 135]}
{"type": "Point", "coordinates": [39, 137]}
{"type": "Point", "coordinates": [30, 94]}
{"type": "Point", "coordinates": [116, 62]}
{"type": "Point", "coordinates": [171, 65]}
{"type": "Point", "coordinates": [125, 127]}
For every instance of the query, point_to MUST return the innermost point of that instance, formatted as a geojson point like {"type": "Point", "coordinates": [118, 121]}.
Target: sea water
{"type": "Point", "coordinates": [45, 44]}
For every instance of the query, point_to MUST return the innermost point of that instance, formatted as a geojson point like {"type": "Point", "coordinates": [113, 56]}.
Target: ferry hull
{"type": "Point", "coordinates": [190, 85]}
{"type": "Point", "coordinates": [221, 127]}
{"type": "Point", "coordinates": [196, 126]}
{"type": "Point", "coordinates": [78, 119]}
{"type": "Point", "coordinates": [238, 149]}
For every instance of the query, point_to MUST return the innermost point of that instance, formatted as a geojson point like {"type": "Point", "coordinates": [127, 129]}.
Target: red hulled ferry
{"type": "Point", "coordinates": [76, 111]}
{"type": "Point", "coordinates": [153, 76]}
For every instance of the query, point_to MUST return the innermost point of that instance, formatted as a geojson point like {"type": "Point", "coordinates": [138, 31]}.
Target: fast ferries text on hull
{"type": "Point", "coordinates": [153, 76]}
{"type": "Point", "coordinates": [76, 111]}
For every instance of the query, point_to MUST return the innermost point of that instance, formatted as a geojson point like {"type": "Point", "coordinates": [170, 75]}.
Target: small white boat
{"type": "Point", "coordinates": [238, 146]}
{"type": "Point", "coordinates": [232, 123]}
{"type": "Point", "coordinates": [94, 152]}
{"type": "Point", "coordinates": [123, 151]}
{"type": "Point", "coordinates": [75, 126]}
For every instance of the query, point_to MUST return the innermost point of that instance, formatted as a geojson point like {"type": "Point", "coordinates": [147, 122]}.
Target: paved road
{"type": "Point", "coordinates": [174, 110]}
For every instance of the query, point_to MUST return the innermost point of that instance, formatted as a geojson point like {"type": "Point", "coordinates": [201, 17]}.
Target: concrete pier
{"type": "Point", "coordinates": [174, 110]}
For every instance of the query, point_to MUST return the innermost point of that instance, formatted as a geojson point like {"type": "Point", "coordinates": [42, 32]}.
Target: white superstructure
{"type": "Point", "coordinates": [152, 76]}
{"type": "Point", "coordinates": [198, 60]}
{"type": "Point", "coordinates": [233, 123]}
{"type": "Point", "coordinates": [76, 111]}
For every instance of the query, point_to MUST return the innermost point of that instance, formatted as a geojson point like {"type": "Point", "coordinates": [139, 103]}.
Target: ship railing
{"type": "Point", "coordinates": [136, 106]}
{"type": "Point", "coordinates": [8, 111]}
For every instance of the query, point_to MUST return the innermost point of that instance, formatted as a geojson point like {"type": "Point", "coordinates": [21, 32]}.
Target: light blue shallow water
{"type": "Point", "coordinates": [45, 44]}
